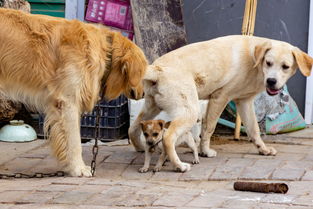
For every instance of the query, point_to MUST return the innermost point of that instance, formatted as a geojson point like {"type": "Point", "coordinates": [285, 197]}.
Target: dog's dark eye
{"type": "Point", "coordinates": [155, 134]}
{"type": "Point", "coordinates": [285, 67]}
{"type": "Point", "coordinates": [269, 64]}
{"type": "Point", "coordinates": [145, 134]}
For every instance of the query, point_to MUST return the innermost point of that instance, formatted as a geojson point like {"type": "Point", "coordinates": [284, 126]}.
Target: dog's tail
{"type": "Point", "coordinates": [152, 73]}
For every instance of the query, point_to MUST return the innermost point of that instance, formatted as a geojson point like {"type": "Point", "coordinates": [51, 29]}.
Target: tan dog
{"type": "Point", "coordinates": [153, 131]}
{"type": "Point", "coordinates": [223, 69]}
{"type": "Point", "coordinates": [58, 67]}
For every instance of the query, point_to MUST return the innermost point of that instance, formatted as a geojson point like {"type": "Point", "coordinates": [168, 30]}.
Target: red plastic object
{"type": "Point", "coordinates": [95, 10]}
{"type": "Point", "coordinates": [115, 13]}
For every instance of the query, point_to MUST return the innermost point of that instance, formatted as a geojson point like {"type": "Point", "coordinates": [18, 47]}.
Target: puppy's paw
{"type": "Point", "coordinates": [143, 170]}
{"type": "Point", "coordinates": [208, 153]}
{"type": "Point", "coordinates": [80, 171]}
{"type": "Point", "coordinates": [268, 151]}
{"type": "Point", "coordinates": [195, 161]}
{"type": "Point", "coordinates": [183, 167]}
{"type": "Point", "coordinates": [157, 168]}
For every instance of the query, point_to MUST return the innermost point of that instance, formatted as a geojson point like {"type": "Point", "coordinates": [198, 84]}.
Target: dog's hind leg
{"type": "Point", "coordinates": [149, 111]}
{"type": "Point", "coordinates": [245, 108]}
{"type": "Point", "coordinates": [216, 105]}
{"type": "Point", "coordinates": [63, 121]}
{"type": "Point", "coordinates": [177, 127]}
{"type": "Point", "coordinates": [193, 146]}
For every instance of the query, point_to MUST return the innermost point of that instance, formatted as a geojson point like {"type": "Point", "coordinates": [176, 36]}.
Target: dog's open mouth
{"type": "Point", "coordinates": [272, 92]}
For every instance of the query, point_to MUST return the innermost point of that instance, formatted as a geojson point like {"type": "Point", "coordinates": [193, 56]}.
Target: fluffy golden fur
{"type": "Point", "coordinates": [57, 67]}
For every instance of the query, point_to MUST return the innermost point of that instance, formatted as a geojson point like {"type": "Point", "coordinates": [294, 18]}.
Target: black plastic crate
{"type": "Point", "coordinates": [114, 121]}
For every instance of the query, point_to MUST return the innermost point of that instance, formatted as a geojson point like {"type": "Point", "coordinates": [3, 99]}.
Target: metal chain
{"type": "Point", "coordinates": [97, 135]}
{"type": "Point", "coordinates": [61, 173]}
{"type": "Point", "coordinates": [28, 176]}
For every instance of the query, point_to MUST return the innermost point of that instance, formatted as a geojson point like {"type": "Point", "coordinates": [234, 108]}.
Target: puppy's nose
{"type": "Point", "coordinates": [150, 143]}
{"type": "Point", "coordinates": [271, 81]}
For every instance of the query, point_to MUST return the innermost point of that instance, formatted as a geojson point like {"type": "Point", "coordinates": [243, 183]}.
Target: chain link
{"type": "Point", "coordinates": [61, 173]}
{"type": "Point", "coordinates": [28, 176]}
{"type": "Point", "coordinates": [97, 135]}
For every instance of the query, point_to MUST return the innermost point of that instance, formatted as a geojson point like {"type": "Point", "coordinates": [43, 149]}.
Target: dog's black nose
{"type": "Point", "coordinates": [149, 143]}
{"type": "Point", "coordinates": [271, 81]}
{"type": "Point", "coordinates": [132, 93]}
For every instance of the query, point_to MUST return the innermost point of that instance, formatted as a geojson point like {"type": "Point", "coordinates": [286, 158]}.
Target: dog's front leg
{"type": "Point", "coordinates": [216, 105]}
{"type": "Point", "coordinates": [149, 111]}
{"type": "Point", "coordinates": [245, 107]}
{"type": "Point", "coordinates": [76, 165]}
{"type": "Point", "coordinates": [160, 162]}
{"type": "Point", "coordinates": [64, 122]}
{"type": "Point", "coordinates": [146, 165]}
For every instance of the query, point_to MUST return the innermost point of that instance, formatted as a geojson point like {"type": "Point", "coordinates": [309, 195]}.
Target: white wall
{"type": "Point", "coordinates": [308, 115]}
{"type": "Point", "coordinates": [74, 9]}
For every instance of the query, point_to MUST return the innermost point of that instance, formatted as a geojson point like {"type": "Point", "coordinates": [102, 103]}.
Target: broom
{"type": "Point", "coordinates": [247, 29]}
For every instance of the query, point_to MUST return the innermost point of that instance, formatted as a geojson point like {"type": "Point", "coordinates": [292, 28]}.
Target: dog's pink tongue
{"type": "Point", "coordinates": [272, 91]}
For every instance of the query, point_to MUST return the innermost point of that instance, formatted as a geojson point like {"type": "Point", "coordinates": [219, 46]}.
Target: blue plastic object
{"type": "Point", "coordinates": [114, 121]}
{"type": "Point", "coordinates": [17, 131]}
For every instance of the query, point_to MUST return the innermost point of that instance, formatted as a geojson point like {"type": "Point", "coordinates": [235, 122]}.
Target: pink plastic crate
{"type": "Point", "coordinates": [115, 13]}
{"type": "Point", "coordinates": [118, 14]}
{"type": "Point", "coordinates": [95, 10]}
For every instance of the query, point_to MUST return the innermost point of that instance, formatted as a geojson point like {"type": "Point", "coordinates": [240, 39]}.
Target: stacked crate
{"type": "Point", "coordinates": [114, 121]}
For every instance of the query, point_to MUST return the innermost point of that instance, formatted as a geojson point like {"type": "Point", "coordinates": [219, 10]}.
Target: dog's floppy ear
{"type": "Point", "coordinates": [303, 61]}
{"type": "Point", "coordinates": [134, 68]}
{"type": "Point", "coordinates": [161, 123]}
{"type": "Point", "coordinates": [128, 66]}
{"type": "Point", "coordinates": [129, 58]}
{"type": "Point", "coordinates": [260, 51]}
{"type": "Point", "coordinates": [167, 124]}
{"type": "Point", "coordinates": [142, 124]}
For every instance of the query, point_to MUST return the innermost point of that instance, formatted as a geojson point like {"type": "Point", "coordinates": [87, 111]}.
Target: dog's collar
{"type": "Point", "coordinates": [156, 144]}
{"type": "Point", "coordinates": [108, 67]}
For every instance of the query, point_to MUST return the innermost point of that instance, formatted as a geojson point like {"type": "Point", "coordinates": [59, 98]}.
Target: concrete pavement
{"type": "Point", "coordinates": [118, 184]}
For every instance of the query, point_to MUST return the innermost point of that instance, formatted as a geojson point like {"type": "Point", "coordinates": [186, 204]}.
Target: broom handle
{"type": "Point", "coordinates": [247, 29]}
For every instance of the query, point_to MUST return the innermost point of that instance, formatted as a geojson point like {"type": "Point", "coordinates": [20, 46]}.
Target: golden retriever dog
{"type": "Point", "coordinates": [59, 67]}
{"type": "Point", "coordinates": [220, 70]}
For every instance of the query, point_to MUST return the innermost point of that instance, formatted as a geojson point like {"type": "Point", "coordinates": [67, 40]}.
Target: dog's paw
{"type": "Point", "coordinates": [195, 161]}
{"type": "Point", "coordinates": [208, 153]}
{"type": "Point", "coordinates": [268, 151]}
{"type": "Point", "coordinates": [80, 171]}
{"type": "Point", "coordinates": [143, 170]}
{"type": "Point", "coordinates": [183, 167]}
{"type": "Point", "coordinates": [157, 168]}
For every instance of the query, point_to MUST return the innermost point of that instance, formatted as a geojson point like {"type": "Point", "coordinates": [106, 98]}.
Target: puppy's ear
{"type": "Point", "coordinates": [161, 123]}
{"type": "Point", "coordinates": [142, 124]}
{"type": "Point", "coordinates": [167, 124]}
{"type": "Point", "coordinates": [260, 51]}
{"type": "Point", "coordinates": [303, 61]}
